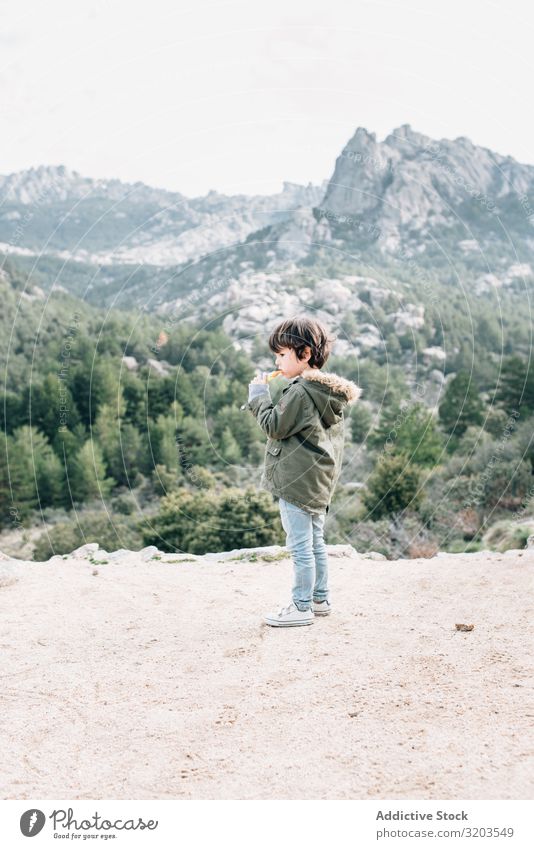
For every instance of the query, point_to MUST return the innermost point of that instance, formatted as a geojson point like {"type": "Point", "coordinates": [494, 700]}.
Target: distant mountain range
{"type": "Point", "coordinates": [446, 204]}
{"type": "Point", "coordinates": [59, 212]}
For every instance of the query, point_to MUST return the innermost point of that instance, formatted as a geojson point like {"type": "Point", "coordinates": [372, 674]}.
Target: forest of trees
{"type": "Point", "coordinates": [155, 448]}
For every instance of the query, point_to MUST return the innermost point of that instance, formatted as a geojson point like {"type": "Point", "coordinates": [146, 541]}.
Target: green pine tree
{"type": "Point", "coordinates": [360, 423]}
{"type": "Point", "coordinates": [411, 429]}
{"type": "Point", "coordinates": [394, 486]}
{"type": "Point", "coordinates": [461, 405]}
{"type": "Point", "coordinates": [515, 390]}
{"type": "Point", "coordinates": [229, 447]}
{"type": "Point", "coordinates": [87, 474]}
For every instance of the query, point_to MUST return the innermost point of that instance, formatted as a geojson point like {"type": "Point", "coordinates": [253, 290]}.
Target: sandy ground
{"type": "Point", "coordinates": [158, 680]}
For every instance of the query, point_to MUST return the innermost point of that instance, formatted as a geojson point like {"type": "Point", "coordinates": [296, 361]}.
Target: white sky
{"type": "Point", "coordinates": [238, 96]}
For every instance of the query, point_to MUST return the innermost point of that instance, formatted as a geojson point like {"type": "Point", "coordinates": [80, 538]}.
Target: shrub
{"type": "Point", "coordinates": [393, 486]}
{"type": "Point", "coordinates": [198, 522]}
{"type": "Point", "coordinates": [92, 526]}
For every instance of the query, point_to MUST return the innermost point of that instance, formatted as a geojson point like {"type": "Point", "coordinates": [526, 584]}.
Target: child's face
{"type": "Point", "coordinates": [289, 364]}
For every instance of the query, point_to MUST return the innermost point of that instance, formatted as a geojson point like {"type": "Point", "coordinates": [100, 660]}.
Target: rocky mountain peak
{"type": "Point", "coordinates": [41, 184]}
{"type": "Point", "coordinates": [405, 139]}
{"type": "Point", "coordinates": [410, 182]}
{"type": "Point", "coordinates": [362, 140]}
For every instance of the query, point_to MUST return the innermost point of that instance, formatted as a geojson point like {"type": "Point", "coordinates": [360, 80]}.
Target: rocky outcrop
{"type": "Point", "coordinates": [410, 183]}
{"type": "Point", "coordinates": [95, 555]}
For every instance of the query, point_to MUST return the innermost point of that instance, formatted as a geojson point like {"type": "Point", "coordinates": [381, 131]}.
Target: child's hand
{"type": "Point", "coordinates": [260, 377]}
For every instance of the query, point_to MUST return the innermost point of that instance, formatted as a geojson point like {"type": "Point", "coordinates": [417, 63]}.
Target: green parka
{"type": "Point", "coordinates": [306, 434]}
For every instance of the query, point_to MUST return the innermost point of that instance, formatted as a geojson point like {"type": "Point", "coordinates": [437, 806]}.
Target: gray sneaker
{"type": "Point", "coordinates": [322, 608]}
{"type": "Point", "coordinates": [290, 615]}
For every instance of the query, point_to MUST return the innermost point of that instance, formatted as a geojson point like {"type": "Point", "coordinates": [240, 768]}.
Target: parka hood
{"type": "Point", "coordinates": [329, 392]}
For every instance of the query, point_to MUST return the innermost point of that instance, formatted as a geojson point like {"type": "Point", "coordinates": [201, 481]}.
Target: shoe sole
{"type": "Point", "coordinates": [287, 624]}
{"type": "Point", "coordinates": [322, 612]}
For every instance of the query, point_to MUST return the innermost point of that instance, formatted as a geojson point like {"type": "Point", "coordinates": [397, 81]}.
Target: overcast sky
{"type": "Point", "coordinates": [238, 96]}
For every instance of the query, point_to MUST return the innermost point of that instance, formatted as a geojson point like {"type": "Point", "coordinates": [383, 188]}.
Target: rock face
{"type": "Point", "coordinates": [410, 182]}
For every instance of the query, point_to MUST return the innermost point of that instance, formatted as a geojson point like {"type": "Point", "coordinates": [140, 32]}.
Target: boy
{"type": "Point", "coordinates": [305, 431]}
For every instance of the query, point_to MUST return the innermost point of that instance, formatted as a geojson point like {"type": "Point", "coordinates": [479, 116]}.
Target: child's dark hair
{"type": "Point", "coordinates": [301, 332]}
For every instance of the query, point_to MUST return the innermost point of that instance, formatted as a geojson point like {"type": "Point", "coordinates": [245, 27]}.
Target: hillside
{"type": "Point", "coordinates": [124, 372]}
{"type": "Point", "coordinates": [429, 210]}
{"type": "Point", "coordinates": [162, 681]}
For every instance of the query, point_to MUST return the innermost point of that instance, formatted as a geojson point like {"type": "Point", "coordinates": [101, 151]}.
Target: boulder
{"type": "Point", "coordinates": [85, 550]}
{"type": "Point", "coordinates": [121, 552]}
{"type": "Point", "coordinates": [148, 552]}
{"type": "Point", "coordinates": [341, 551]}
{"type": "Point", "coordinates": [7, 576]}
{"type": "Point", "coordinates": [373, 555]}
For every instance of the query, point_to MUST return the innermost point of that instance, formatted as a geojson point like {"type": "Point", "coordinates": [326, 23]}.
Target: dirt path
{"type": "Point", "coordinates": [159, 680]}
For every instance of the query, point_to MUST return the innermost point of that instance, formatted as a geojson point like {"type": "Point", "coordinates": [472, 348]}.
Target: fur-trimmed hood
{"type": "Point", "coordinates": [329, 392]}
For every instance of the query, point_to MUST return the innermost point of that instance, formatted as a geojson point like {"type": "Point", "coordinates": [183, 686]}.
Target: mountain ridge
{"type": "Point", "coordinates": [440, 203]}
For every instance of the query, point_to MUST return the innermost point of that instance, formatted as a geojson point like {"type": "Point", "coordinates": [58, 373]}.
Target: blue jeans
{"type": "Point", "coordinates": [304, 536]}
